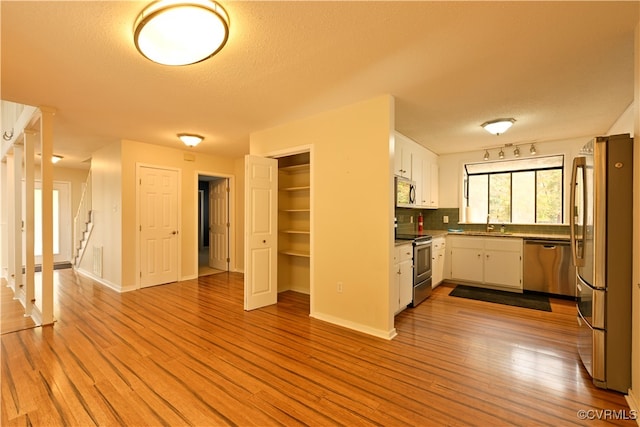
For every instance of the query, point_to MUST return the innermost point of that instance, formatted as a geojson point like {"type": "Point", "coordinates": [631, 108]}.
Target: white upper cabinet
{"type": "Point", "coordinates": [403, 155]}
{"type": "Point", "coordinates": [419, 164]}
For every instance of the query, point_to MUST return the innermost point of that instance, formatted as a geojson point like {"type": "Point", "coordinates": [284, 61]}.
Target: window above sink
{"type": "Point", "coordinates": [521, 191]}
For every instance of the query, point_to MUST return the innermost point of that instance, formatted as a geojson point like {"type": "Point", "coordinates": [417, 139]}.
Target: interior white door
{"type": "Point", "coordinates": [261, 232]}
{"type": "Point", "coordinates": [219, 224]}
{"type": "Point", "coordinates": [158, 200]}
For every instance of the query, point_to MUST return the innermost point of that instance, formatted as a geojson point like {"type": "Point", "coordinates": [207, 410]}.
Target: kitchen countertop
{"type": "Point", "coordinates": [526, 236]}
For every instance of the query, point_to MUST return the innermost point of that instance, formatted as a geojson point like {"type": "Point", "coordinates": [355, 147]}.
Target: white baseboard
{"type": "Point", "coordinates": [102, 281]}
{"type": "Point", "coordinates": [379, 333]}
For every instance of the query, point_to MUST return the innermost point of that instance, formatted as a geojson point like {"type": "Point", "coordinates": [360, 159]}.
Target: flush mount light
{"type": "Point", "coordinates": [190, 139]}
{"type": "Point", "coordinates": [54, 158]}
{"type": "Point", "coordinates": [498, 126]}
{"type": "Point", "coordinates": [174, 32]}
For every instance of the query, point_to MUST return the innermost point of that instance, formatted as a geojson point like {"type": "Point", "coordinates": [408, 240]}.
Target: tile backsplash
{"type": "Point", "coordinates": [407, 220]}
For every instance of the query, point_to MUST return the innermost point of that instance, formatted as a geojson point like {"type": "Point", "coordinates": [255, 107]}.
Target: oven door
{"type": "Point", "coordinates": [421, 262]}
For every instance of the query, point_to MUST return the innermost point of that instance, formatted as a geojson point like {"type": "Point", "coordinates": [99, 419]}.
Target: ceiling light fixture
{"type": "Point", "coordinates": [516, 152]}
{"type": "Point", "coordinates": [498, 126]}
{"type": "Point", "coordinates": [486, 155]}
{"type": "Point", "coordinates": [190, 139]}
{"type": "Point", "coordinates": [174, 32]}
{"type": "Point", "coordinates": [501, 154]}
{"type": "Point", "coordinates": [532, 150]}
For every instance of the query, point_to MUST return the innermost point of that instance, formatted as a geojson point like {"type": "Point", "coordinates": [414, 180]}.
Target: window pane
{"type": "Point", "coordinates": [549, 197]}
{"type": "Point", "coordinates": [478, 195]}
{"type": "Point", "coordinates": [524, 197]}
{"type": "Point", "coordinates": [500, 198]}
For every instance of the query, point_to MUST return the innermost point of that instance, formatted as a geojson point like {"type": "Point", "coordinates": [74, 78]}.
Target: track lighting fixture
{"type": "Point", "coordinates": [486, 155]}
{"type": "Point", "coordinates": [501, 154]}
{"type": "Point", "coordinates": [516, 152]}
{"type": "Point", "coordinates": [532, 150]}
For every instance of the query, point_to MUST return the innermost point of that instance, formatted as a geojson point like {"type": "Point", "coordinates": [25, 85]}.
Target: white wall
{"type": "Point", "coordinates": [189, 164]}
{"type": "Point", "coordinates": [352, 205]}
{"type": "Point", "coordinates": [106, 178]}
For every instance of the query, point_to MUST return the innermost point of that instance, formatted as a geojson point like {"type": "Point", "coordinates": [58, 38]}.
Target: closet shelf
{"type": "Point", "coordinates": [295, 168]}
{"type": "Point", "coordinates": [295, 210]}
{"type": "Point", "coordinates": [296, 231]}
{"type": "Point", "coordinates": [304, 254]}
{"type": "Point", "coordinates": [306, 187]}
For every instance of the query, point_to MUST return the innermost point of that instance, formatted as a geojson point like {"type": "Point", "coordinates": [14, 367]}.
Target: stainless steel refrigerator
{"type": "Point", "coordinates": [601, 221]}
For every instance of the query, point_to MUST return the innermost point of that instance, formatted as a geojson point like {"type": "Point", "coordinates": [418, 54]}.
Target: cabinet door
{"type": "Point", "coordinates": [402, 156]}
{"type": "Point", "coordinates": [438, 267]}
{"type": "Point", "coordinates": [425, 183]}
{"type": "Point", "coordinates": [433, 185]}
{"type": "Point", "coordinates": [467, 264]}
{"type": "Point", "coordinates": [406, 283]}
{"type": "Point", "coordinates": [503, 268]}
{"type": "Point", "coordinates": [395, 289]}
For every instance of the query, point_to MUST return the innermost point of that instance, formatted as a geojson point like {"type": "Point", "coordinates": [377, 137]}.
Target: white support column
{"type": "Point", "coordinates": [46, 144]}
{"type": "Point", "coordinates": [30, 140]}
{"type": "Point", "coordinates": [17, 220]}
{"type": "Point", "coordinates": [11, 229]}
{"type": "Point", "coordinates": [4, 218]}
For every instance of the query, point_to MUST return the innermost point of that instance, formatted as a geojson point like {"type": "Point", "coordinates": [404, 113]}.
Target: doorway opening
{"type": "Point", "coordinates": [213, 225]}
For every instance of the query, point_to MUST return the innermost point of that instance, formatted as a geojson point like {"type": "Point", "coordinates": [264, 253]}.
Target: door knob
{"type": "Point", "coordinates": [174, 232]}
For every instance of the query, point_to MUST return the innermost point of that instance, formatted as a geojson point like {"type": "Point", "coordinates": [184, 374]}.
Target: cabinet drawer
{"type": "Point", "coordinates": [405, 252]}
{"type": "Point", "coordinates": [466, 242]}
{"type": "Point", "coordinates": [439, 243]}
{"type": "Point", "coordinates": [505, 244]}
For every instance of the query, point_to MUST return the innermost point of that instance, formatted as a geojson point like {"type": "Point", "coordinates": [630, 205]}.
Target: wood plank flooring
{"type": "Point", "coordinates": [188, 354]}
{"type": "Point", "coordinates": [12, 317]}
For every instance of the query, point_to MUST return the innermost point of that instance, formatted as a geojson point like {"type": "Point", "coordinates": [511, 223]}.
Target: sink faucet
{"type": "Point", "coordinates": [489, 227]}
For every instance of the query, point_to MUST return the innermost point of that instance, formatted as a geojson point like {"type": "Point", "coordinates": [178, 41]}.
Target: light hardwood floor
{"type": "Point", "coordinates": [188, 354]}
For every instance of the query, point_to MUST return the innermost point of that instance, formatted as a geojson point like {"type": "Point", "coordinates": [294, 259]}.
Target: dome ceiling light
{"type": "Point", "coordinates": [498, 126]}
{"type": "Point", "coordinates": [190, 139]}
{"type": "Point", "coordinates": [173, 32]}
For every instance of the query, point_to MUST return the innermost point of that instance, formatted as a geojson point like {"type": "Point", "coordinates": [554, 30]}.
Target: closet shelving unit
{"type": "Point", "coordinates": [294, 185]}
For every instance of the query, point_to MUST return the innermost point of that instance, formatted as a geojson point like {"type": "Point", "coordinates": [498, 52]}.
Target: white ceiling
{"type": "Point", "coordinates": [562, 69]}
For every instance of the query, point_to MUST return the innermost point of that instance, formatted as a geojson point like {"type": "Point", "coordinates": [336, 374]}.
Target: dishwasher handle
{"type": "Point", "coordinates": [547, 244]}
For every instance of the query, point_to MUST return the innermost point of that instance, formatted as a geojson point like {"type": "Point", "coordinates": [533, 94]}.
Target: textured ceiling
{"type": "Point", "coordinates": [562, 69]}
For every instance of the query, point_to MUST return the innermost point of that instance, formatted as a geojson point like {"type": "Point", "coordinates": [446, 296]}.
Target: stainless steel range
{"type": "Point", "coordinates": [421, 267]}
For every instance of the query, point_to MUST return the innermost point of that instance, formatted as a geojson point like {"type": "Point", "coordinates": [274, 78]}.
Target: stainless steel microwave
{"type": "Point", "coordinates": [405, 192]}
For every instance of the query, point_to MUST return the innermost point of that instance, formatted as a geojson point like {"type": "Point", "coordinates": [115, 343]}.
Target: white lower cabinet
{"type": "Point", "coordinates": [494, 262]}
{"type": "Point", "coordinates": [437, 258]}
{"type": "Point", "coordinates": [402, 288]}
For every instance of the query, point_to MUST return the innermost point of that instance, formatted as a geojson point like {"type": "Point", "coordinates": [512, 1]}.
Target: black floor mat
{"type": "Point", "coordinates": [534, 301]}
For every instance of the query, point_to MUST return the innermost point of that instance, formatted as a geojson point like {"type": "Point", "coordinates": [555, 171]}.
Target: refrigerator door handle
{"type": "Point", "coordinates": [578, 163]}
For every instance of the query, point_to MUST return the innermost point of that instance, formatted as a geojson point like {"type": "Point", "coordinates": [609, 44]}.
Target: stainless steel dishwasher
{"type": "Point", "coordinates": [547, 267]}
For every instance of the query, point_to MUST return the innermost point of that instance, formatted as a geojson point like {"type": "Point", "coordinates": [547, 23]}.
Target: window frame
{"type": "Point", "coordinates": [535, 170]}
